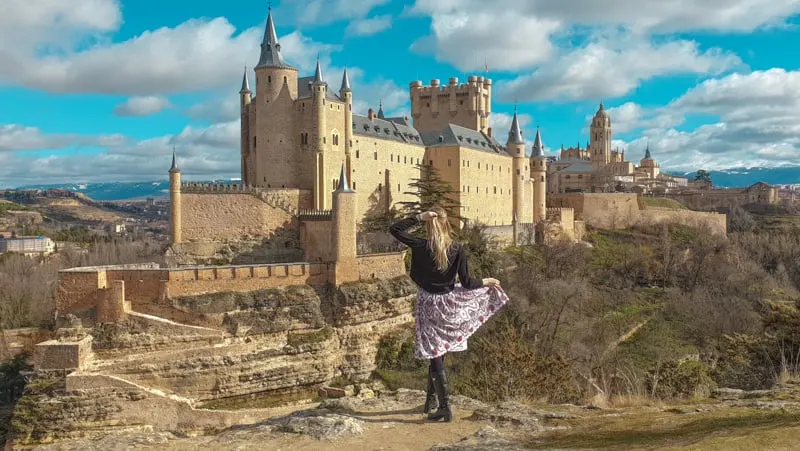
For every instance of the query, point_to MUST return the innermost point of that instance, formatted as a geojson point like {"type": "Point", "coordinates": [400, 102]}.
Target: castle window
{"type": "Point", "coordinates": [254, 142]}
{"type": "Point", "coordinates": [479, 165]}
{"type": "Point", "coordinates": [495, 190]}
{"type": "Point", "coordinates": [542, 178]}
{"type": "Point", "coordinates": [430, 162]}
{"type": "Point", "coordinates": [461, 102]}
{"type": "Point", "coordinates": [518, 173]}
{"type": "Point", "coordinates": [376, 155]}
{"type": "Point", "coordinates": [429, 104]}
{"type": "Point", "coordinates": [449, 162]}
{"type": "Point", "coordinates": [323, 140]}
{"type": "Point", "coordinates": [405, 160]}
{"type": "Point", "coordinates": [354, 185]}
{"type": "Point", "coordinates": [269, 78]}
{"type": "Point", "coordinates": [417, 160]}
{"type": "Point", "coordinates": [391, 157]}
{"type": "Point", "coordinates": [284, 79]}
{"type": "Point", "coordinates": [380, 186]}
{"type": "Point", "coordinates": [487, 190]}
{"type": "Point", "coordinates": [398, 187]}
{"type": "Point", "coordinates": [356, 153]}
{"type": "Point", "coordinates": [334, 183]}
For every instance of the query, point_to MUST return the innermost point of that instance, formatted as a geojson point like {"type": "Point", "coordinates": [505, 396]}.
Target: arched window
{"type": "Point", "coordinates": [269, 78]}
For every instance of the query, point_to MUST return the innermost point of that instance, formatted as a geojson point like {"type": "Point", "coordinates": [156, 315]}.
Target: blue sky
{"type": "Point", "coordinates": [99, 90]}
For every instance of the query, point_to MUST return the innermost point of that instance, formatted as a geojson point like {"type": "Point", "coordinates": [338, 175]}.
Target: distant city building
{"type": "Point", "coordinates": [31, 246]}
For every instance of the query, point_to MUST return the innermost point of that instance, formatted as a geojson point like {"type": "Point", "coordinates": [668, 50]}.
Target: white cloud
{"type": "Point", "coordinates": [369, 26]}
{"type": "Point", "coordinates": [14, 137]}
{"type": "Point", "coordinates": [203, 153]}
{"type": "Point", "coordinates": [611, 67]}
{"type": "Point", "coordinates": [502, 40]}
{"type": "Point", "coordinates": [142, 106]}
{"type": "Point", "coordinates": [757, 123]}
{"type": "Point", "coordinates": [323, 12]}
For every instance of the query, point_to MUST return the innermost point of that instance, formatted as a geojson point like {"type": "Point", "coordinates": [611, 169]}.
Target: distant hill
{"type": "Point", "coordinates": [139, 190]}
{"type": "Point", "coordinates": [734, 177]}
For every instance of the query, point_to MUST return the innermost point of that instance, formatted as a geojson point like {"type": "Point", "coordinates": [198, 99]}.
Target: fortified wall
{"type": "Point", "coordinates": [623, 210]}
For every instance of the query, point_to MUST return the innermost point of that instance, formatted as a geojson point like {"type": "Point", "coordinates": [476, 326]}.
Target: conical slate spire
{"type": "Point", "coordinates": [647, 152]}
{"type": "Point", "coordinates": [174, 167]}
{"type": "Point", "coordinates": [245, 82]}
{"type": "Point", "coordinates": [318, 73]}
{"type": "Point", "coordinates": [380, 111]}
{"type": "Point", "coordinates": [345, 81]}
{"type": "Point", "coordinates": [344, 187]}
{"type": "Point", "coordinates": [515, 134]}
{"type": "Point", "coordinates": [270, 47]}
{"type": "Point", "coordinates": [538, 148]}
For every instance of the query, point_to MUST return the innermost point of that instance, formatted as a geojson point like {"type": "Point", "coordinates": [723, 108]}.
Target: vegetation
{"type": "Point", "coordinates": [430, 191]}
{"type": "Point", "coordinates": [703, 176]}
{"type": "Point", "coordinates": [662, 202]}
{"type": "Point", "coordinates": [12, 383]}
{"type": "Point", "coordinates": [6, 207]}
{"type": "Point", "coordinates": [660, 312]}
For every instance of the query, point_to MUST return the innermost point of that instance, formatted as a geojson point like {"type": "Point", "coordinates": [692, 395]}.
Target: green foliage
{"type": "Point", "coordinates": [6, 207]}
{"type": "Point", "coordinates": [396, 352]}
{"type": "Point", "coordinates": [478, 244]}
{"type": "Point", "coordinates": [76, 234]}
{"type": "Point", "coordinates": [703, 176]}
{"type": "Point", "coordinates": [12, 383]}
{"type": "Point", "coordinates": [430, 191]}
{"type": "Point", "coordinates": [674, 380]}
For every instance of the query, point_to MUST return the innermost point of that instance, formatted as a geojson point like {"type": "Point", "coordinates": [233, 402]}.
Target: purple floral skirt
{"type": "Point", "coordinates": [446, 321]}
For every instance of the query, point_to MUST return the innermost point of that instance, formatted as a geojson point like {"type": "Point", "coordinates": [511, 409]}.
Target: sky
{"type": "Point", "coordinates": [103, 90]}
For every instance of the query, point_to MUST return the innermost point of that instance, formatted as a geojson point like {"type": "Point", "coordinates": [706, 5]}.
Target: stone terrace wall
{"type": "Point", "coordinates": [716, 222]}
{"type": "Point", "coordinates": [22, 340]}
{"type": "Point", "coordinates": [600, 210]}
{"type": "Point", "coordinates": [191, 281]}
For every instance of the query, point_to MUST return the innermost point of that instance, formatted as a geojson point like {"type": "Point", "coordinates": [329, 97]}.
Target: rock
{"type": "Point", "coordinates": [485, 439]}
{"type": "Point", "coordinates": [727, 393]}
{"type": "Point", "coordinates": [319, 424]}
{"type": "Point", "coordinates": [509, 414]}
{"type": "Point", "coordinates": [333, 392]}
{"type": "Point", "coordinates": [365, 393]}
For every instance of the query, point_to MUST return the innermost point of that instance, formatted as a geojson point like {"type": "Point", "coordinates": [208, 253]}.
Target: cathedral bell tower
{"type": "Point", "coordinates": [600, 139]}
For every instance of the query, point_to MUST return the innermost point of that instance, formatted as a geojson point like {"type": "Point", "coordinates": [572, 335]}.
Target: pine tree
{"type": "Point", "coordinates": [430, 191]}
{"type": "Point", "coordinates": [703, 176]}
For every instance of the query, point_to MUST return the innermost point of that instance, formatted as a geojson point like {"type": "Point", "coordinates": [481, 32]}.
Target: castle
{"type": "Point", "coordinates": [297, 132]}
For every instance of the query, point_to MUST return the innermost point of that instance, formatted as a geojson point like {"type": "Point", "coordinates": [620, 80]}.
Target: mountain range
{"type": "Point", "coordinates": [115, 191]}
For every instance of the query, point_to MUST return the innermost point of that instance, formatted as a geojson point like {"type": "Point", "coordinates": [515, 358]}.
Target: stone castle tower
{"type": "Point", "coordinates": [174, 201]}
{"type": "Point", "coordinates": [468, 105]}
{"type": "Point", "coordinates": [521, 176]}
{"type": "Point", "coordinates": [600, 139]}
{"type": "Point", "coordinates": [539, 178]}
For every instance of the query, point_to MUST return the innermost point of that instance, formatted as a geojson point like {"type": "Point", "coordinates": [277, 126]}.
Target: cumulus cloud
{"type": "Point", "coordinates": [323, 12]}
{"type": "Point", "coordinates": [204, 153]}
{"type": "Point", "coordinates": [15, 137]}
{"type": "Point", "coordinates": [370, 26]}
{"type": "Point", "coordinates": [611, 67]}
{"type": "Point", "coordinates": [142, 106]}
{"type": "Point", "coordinates": [757, 123]}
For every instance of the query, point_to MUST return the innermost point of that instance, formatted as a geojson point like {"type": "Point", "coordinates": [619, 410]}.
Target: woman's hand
{"type": "Point", "coordinates": [491, 282]}
{"type": "Point", "coordinates": [427, 216]}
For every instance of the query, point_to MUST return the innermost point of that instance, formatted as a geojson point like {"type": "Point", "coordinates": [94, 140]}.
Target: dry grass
{"type": "Point", "coordinates": [642, 429]}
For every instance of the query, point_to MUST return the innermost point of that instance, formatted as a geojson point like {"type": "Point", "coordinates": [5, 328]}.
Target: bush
{"type": "Point", "coordinates": [675, 380]}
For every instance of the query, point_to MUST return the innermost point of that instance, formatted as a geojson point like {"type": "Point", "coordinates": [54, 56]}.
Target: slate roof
{"type": "Point", "coordinates": [576, 166]}
{"type": "Point", "coordinates": [304, 89]}
{"type": "Point", "coordinates": [393, 130]}
{"type": "Point", "coordinates": [271, 48]}
{"type": "Point", "coordinates": [455, 135]}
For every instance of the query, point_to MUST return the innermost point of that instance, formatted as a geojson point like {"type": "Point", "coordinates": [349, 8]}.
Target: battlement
{"type": "Point", "coordinates": [315, 215]}
{"type": "Point", "coordinates": [435, 87]}
{"type": "Point", "coordinates": [556, 213]}
{"type": "Point", "coordinates": [200, 188]}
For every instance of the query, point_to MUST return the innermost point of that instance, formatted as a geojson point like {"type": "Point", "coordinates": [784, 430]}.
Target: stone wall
{"type": "Point", "coordinates": [716, 222]}
{"type": "Point", "coordinates": [381, 266]}
{"type": "Point", "coordinates": [316, 239]}
{"type": "Point", "coordinates": [602, 211]}
{"type": "Point", "coordinates": [231, 216]}
{"type": "Point", "coordinates": [18, 341]}
{"type": "Point", "coordinates": [189, 281]}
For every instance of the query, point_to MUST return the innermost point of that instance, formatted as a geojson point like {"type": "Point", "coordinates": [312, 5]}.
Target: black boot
{"type": "Point", "coordinates": [443, 412]}
{"type": "Point", "coordinates": [430, 394]}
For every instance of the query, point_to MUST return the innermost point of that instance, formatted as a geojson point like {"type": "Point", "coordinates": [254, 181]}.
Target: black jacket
{"type": "Point", "coordinates": [424, 271]}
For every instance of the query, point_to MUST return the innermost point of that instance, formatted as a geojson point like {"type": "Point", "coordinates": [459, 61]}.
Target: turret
{"type": "Point", "coordinates": [244, 93]}
{"type": "Point", "coordinates": [319, 89]}
{"type": "Point", "coordinates": [174, 201]}
{"type": "Point", "coordinates": [467, 104]}
{"type": "Point", "coordinates": [346, 94]}
{"type": "Point", "coordinates": [539, 177]}
{"type": "Point", "coordinates": [516, 148]}
{"type": "Point", "coordinates": [272, 71]}
{"type": "Point", "coordinates": [245, 97]}
{"type": "Point", "coordinates": [344, 232]}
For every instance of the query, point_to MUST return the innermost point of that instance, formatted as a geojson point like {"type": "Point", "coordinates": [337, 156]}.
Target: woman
{"type": "Point", "coordinates": [447, 313]}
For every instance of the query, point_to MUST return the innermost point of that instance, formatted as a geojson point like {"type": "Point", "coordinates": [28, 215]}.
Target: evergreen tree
{"type": "Point", "coordinates": [703, 176]}
{"type": "Point", "coordinates": [430, 191]}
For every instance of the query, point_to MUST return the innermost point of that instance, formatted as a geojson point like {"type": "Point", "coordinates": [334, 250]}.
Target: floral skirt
{"type": "Point", "coordinates": [446, 321]}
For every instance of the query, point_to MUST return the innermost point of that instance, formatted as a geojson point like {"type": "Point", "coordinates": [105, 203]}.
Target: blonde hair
{"type": "Point", "coordinates": [440, 237]}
